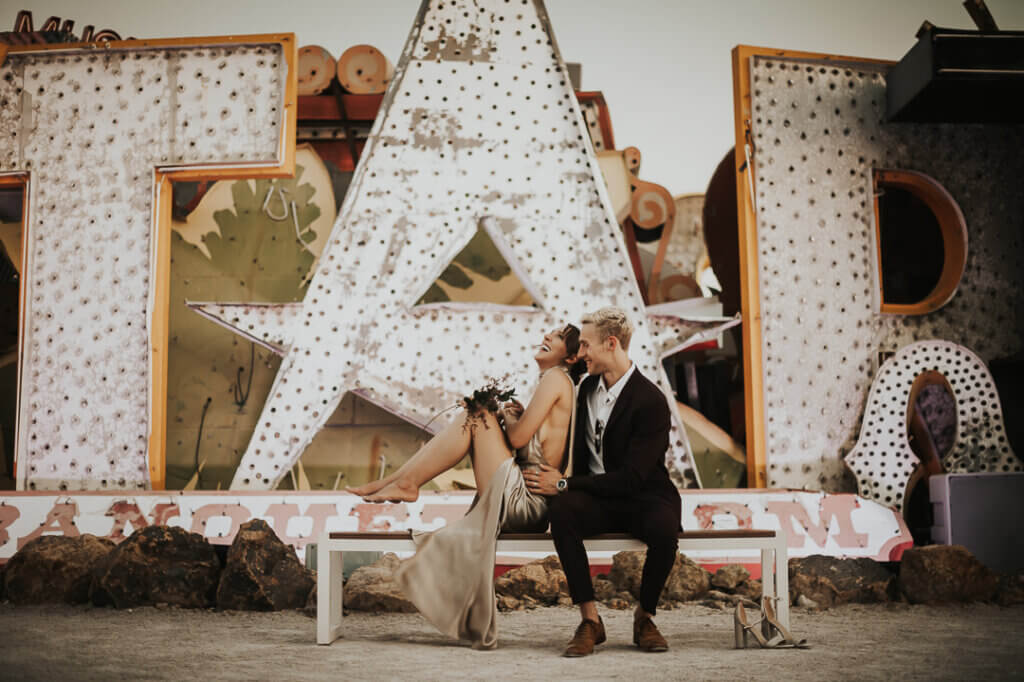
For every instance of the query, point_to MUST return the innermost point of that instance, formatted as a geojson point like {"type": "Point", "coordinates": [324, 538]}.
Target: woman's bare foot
{"type": "Point", "coordinates": [371, 487]}
{"type": "Point", "coordinates": [399, 491]}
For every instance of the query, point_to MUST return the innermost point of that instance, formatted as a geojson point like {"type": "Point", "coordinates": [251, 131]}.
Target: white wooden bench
{"type": "Point", "coordinates": [772, 544]}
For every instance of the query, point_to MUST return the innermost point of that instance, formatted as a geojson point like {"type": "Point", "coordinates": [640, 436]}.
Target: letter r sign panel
{"type": "Point", "coordinates": [99, 131]}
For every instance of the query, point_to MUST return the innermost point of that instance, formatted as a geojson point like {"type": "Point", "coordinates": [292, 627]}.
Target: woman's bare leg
{"type": "Point", "coordinates": [451, 441]}
{"type": "Point", "coordinates": [374, 486]}
{"type": "Point", "coordinates": [444, 451]}
{"type": "Point", "coordinates": [490, 449]}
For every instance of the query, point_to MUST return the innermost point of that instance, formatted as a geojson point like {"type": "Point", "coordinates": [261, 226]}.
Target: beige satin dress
{"type": "Point", "coordinates": [450, 579]}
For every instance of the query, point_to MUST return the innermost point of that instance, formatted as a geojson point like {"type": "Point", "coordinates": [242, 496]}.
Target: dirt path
{"type": "Point", "coordinates": [878, 642]}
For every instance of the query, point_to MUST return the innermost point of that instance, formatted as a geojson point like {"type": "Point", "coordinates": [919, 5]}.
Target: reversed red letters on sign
{"type": "Point", "coordinates": [705, 514]}
{"type": "Point", "coordinates": [838, 507]}
{"type": "Point", "coordinates": [60, 518]}
{"type": "Point", "coordinates": [374, 517]}
{"type": "Point", "coordinates": [125, 513]}
{"type": "Point", "coordinates": [448, 512]}
{"type": "Point", "coordinates": [283, 513]}
{"type": "Point", "coordinates": [8, 515]}
{"type": "Point", "coordinates": [164, 511]}
{"type": "Point", "coordinates": [236, 512]}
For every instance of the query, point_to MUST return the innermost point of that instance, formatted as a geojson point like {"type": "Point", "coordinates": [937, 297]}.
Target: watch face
{"type": "Point", "coordinates": [562, 484]}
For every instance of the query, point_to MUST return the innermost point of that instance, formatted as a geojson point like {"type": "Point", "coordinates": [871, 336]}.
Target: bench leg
{"type": "Point", "coordinates": [782, 579]}
{"type": "Point", "coordinates": [768, 571]}
{"type": "Point", "coordinates": [768, 582]}
{"type": "Point", "coordinates": [328, 594]}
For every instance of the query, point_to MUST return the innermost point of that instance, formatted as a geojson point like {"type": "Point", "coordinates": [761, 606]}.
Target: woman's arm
{"type": "Point", "coordinates": [519, 432]}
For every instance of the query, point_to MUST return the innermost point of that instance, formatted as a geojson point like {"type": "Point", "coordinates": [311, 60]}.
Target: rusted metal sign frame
{"type": "Point", "coordinates": [18, 181]}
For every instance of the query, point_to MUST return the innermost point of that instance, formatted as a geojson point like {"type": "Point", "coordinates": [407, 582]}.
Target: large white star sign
{"type": "Point", "coordinates": [480, 129]}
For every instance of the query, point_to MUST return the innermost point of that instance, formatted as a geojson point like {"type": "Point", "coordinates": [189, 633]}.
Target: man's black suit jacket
{"type": "Point", "coordinates": [634, 443]}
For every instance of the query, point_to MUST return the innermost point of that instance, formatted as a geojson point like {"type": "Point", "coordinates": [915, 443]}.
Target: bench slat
{"type": "Point", "coordinates": [688, 535]}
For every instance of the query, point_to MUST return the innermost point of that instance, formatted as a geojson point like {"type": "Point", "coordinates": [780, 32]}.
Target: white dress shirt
{"type": "Point", "coordinates": [600, 403]}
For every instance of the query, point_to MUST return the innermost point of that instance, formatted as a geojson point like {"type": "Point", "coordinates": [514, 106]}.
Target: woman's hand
{"type": "Point", "coordinates": [507, 418]}
{"type": "Point", "coordinates": [514, 408]}
{"type": "Point", "coordinates": [542, 481]}
{"type": "Point", "coordinates": [521, 429]}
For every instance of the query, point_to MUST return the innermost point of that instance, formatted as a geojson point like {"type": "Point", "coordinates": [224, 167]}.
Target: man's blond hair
{"type": "Point", "coordinates": [611, 321]}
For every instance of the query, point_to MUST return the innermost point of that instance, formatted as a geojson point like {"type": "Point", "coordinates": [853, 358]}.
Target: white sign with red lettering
{"type": "Point", "coordinates": [841, 525]}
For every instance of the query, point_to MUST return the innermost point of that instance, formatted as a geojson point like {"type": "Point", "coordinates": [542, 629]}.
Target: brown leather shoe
{"type": "Point", "coordinates": [647, 637]}
{"type": "Point", "coordinates": [588, 634]}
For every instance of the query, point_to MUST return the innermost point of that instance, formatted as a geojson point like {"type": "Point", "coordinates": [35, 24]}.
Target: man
{"type": "Point", "coordinates": [620, 483]}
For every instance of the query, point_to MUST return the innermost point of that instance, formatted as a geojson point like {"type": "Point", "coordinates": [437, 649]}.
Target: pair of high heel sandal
{"type": "Point", "coordinates": [767, 631]}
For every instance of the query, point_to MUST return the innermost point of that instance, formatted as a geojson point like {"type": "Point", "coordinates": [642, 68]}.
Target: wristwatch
{"type": "Point", "coordinates": [562, 485]}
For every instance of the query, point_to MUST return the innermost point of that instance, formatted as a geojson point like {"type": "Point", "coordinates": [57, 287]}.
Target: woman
{"type": "Point", "coordinates": [451, 577]}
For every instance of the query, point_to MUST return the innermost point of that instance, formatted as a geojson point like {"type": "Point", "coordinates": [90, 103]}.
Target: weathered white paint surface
{"type": "Point", "coordinates": [90, 126]}
{"type": "Point", "coordinates": [819, 130]}
{"type": "Point", "coordinates": [883, 460]}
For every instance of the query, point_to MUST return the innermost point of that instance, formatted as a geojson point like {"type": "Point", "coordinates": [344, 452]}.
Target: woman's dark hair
{"type": "Point", "coordinates": [571, 336]}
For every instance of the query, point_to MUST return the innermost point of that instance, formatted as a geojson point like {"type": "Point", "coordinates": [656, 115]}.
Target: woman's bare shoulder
{"type": "Point", "coordinates": [559, 381]}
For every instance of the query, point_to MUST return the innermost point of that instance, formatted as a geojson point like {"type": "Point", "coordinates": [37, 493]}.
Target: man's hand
{"type": "Point", "coordinates": [543, 481]}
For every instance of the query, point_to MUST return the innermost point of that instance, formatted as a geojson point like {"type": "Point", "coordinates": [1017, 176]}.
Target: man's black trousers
{"type": "Point", "coordinates": [652, 518]}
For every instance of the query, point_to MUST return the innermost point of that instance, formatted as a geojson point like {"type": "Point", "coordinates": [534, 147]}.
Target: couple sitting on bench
{"type": "Point", "coordinates": [588, 464]}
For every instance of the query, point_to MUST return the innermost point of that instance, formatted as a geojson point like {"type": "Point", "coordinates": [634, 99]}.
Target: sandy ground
{"type": "Point", "coordinates": [877, 642]}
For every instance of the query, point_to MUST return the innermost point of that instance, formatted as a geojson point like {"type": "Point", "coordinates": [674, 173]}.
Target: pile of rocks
{"type": "Point", "coordinates": [823, 581]}
{"type": "Point", "coordinates": [934, 574]}
{"type": "Point", "coordinates": [53, 569]}
{"type": "Point", "coordinates": [160, 565]}
{"type": "Point", "coordinates": [163, 565]}
{"type": "Point", "coordinates": [373, 588]}
{"type": "Point", "coordinates": [542, 583]}
{"type": "Point", "coordinates": [730, 585]}
{"type": "Point", "coordinates": [538, 583]}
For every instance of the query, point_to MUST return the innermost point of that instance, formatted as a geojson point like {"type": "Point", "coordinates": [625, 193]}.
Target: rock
{"type": "Point", "coordinates": [729, 577]}
{"type": "Point", "coordinates": [262, 573]}
{"type": "Point", "coordinates": [806, 602]}
{"type": "Point", "coordinates": [751, 589]}
{"type": "Point", "coordinates": [603, 588]}
{"type": "Point", "coordinates": [310, 608]}
{"type": "Point", "coordinates": [626, 568]}
{"type": "Point", "coordinates": [373, 588]}
{"type": "Point", "coordinates": [945, 573]}
{"type": "Point", "coordinates": [1011, 590]}
{"type": "Point", "coordinates": [732, 599]}
{"type": "Point", "coordinates": [506, 603]}
{"type": "Point", "coordinates": [53, 569]}
{"type": "Point", "coordinates": [543, 581]}
{"type": "Point", "coordinates": [157, 564]}
{"type": "Point", "coordinates": [619, 603]}
{"type": "Point", "coordinates": [687, 580]}
{"type": "Point", "coordinates": [829, 581]}
{"type": "Point", "coordinates": [717, 596]}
